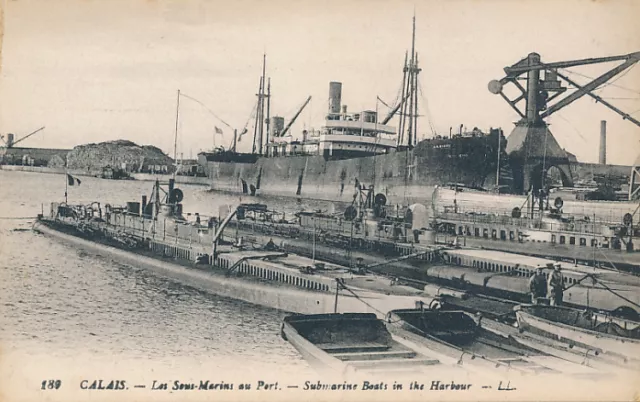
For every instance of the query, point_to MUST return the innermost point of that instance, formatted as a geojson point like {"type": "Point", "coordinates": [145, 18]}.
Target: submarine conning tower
{"type": "Point", "coordinates": [531, 147]}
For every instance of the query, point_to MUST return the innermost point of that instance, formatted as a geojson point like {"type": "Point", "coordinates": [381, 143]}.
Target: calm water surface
{"type": "Point", "coordinates": [61, 302]}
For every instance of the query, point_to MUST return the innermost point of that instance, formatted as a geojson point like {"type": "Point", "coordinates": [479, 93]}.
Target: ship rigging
{"type": "Point", "coordinates": [407, 104]}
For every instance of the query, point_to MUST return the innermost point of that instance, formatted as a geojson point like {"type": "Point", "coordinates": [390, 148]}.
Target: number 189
{"type": "Point", "coordinates": [51, 384]}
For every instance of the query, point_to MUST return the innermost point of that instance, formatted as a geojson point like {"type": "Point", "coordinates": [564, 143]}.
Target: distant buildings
{"type": "Point", "coordinates": [33, 156]}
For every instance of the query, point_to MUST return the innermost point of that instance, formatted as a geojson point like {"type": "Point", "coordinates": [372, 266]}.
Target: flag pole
{"type": "Point", "coordinates": [66, 177]}
{"type": "Point", "coordinates": [175, 140]}
{"type": "Point", "coordinates": [235, 139]}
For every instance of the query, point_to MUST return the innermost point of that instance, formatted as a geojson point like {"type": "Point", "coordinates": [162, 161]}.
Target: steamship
{"type": "Point", "coordinates": [353, 149]}
{"type": "Point", "coordinates": [356, 148]}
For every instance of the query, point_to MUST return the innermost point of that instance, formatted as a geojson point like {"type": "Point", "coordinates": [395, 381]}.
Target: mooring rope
{"type": "Point", "coordinates": [343, 286]}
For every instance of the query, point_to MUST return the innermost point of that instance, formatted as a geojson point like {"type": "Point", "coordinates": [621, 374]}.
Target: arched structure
{"type": "Point", "coordinates": [532, 150]}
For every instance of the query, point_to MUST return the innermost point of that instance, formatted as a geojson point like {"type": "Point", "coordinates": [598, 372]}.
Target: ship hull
{"type": "Point", "coordinates": [402, 176]}
{"type": "Point", "coordinates": [292, 300]}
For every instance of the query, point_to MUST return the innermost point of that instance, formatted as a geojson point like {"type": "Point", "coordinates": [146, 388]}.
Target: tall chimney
{"type": "Point", "coordinates": [335, 95]}
{"type": "Point", "coordinates": [603, 143]}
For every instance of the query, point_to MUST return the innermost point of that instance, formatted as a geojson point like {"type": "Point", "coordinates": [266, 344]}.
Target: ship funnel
{"type": "Point", "coordinates": [10, 140]}
{"type": "Point", "coordinates": [335, 96]}
{"type": "Point", "coordinates": [603, 143]}
{"type": "Point", "coordinates": [277, 125]}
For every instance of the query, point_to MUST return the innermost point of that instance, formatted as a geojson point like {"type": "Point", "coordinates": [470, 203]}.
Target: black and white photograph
{"type": "Point", "coordinates": [292, 200]}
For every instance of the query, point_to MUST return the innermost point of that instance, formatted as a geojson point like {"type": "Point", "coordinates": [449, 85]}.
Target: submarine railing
{"type": "Point", "coordinates": [586, 227]}
{"type": "Point", "coordinates": [198, 238]}
{"type": "Point", "coordinates": [604, 218]}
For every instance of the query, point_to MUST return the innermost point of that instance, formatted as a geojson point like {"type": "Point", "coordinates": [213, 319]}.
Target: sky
{"type": "Point", "coordinates": [93, 71]}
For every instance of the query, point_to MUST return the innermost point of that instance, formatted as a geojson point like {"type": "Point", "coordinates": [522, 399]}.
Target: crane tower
{"type": "Point", "coordinates": [531, 147]}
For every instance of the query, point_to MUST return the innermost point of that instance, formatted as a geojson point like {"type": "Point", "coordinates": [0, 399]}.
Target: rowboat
{"type": "Point", "coordinates": [499, 316]}
{"type": "Point", "coordinates": [350, 343]}
{"type": "Point", "coordinates": [456, 336]}
{"type": "Point", "coordinates": [593, 331]}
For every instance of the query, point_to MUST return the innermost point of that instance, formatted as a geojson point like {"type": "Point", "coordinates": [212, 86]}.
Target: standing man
{"type": "Point", "coordinates": [538, 285]}
{"type": "Point", "coordinates": [556, 286]}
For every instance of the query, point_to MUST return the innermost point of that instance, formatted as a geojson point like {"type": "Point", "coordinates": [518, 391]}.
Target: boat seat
{"type": "Point", "coordinates": [526, 365]}
{"type": "Point", "coordinates": [389, 370]}
{"type": "Point", "coordinates": [511, 359]}
{"type": "Point", "coordinates": [360, 356]}
{"type": "Point", "coordinates": [453, 332]}
{"type": "Point", "coordinates": [369, 364]}
{"type": "Point", "coordinates": [353, 347]}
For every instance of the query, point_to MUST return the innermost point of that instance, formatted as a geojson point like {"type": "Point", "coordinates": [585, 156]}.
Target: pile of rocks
{"type": "Point", "coordinates": [119, 154]}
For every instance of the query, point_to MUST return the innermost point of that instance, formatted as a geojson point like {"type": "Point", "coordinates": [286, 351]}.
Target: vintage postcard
{"type": "Point", "coordinates": [319, 200]}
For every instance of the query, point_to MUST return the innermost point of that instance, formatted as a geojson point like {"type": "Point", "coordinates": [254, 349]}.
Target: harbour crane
{"type": "Point", "coordinates": [10, 142]}
{"type": "Point", "coordinates": [537, 91]}
{"type": "Point", "coordinates": [532, 148]}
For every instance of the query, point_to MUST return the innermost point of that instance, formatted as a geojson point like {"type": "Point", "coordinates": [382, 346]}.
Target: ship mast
{"type": "Point", "coordinates": [415, 101]}
{"type": "Point", "coordinates": [409, 128]}
{"type": "Point", "coordinates": [256, 128]}
{"type": "Point", "coordinates": [259, 132]}
{"type": "Point", "coordinates": [262, 97]}
{"type": "Point", "coordinates": [410, 84]}
{"type": "Point", "coordinates": [403, 104]}
{"type": "Point", "coordinates": [268, 119]}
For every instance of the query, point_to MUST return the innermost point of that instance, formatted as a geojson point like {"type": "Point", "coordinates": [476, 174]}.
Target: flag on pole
{"type": "Point", "coordinates": [72, 180]}
{"type": "Point", "coordinates": [218, 131]}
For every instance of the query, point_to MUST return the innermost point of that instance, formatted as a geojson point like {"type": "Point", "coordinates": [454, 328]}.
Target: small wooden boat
{"type": "Point", "coordinates": [351, 342]}
{"type": "Point", "coordinates": [593, 331]}
{"type": "Point", "coordinates": [457, 336]}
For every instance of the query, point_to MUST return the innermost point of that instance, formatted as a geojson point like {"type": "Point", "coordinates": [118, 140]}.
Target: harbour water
{"type": "Point", "coordinates": [64, 305]}
{"type": "Point", "coordinates": [77, 317]}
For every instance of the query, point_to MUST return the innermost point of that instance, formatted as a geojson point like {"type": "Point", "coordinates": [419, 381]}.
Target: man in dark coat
{"type": "Point", "coordinates": [537, 285]}
{"type": "Point", "coordinates": [556, 286]}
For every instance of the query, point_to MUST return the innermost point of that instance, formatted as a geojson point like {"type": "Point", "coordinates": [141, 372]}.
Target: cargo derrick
{"type": "Point", "coordinates": [531, 147]}
{"type": "Point", "coordinates": [10, 142]}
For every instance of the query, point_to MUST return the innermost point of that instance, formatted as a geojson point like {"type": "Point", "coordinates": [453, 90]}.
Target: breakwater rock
{"type": "Point", "coordinates": [121, 154]}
